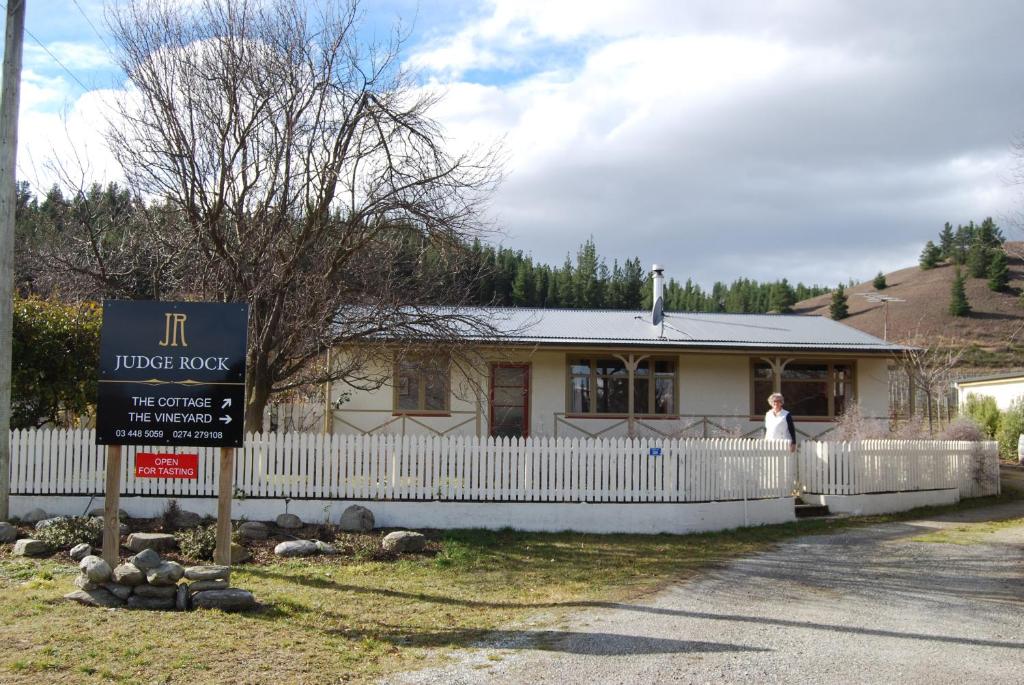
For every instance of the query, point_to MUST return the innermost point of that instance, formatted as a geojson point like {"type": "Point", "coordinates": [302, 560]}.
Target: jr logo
{"type": "Point", "coordinates": [174, 330]}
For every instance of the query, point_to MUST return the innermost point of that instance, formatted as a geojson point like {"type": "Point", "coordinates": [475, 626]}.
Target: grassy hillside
{"type": "Point", "coordinates": [993, 332]}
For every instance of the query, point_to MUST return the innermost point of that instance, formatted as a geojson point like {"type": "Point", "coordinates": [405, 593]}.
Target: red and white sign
{"type": "Point", "coordinates": [153, 465]}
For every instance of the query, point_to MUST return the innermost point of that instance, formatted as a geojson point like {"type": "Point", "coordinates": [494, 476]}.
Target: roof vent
{"type": "Point", "coordinates": [658, 306]}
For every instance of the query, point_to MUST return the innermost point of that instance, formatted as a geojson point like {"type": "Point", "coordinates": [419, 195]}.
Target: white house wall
{"type": "Point", "coordinates": [713, 396]}
{"type": "Point", "coordinates": [1003, 391]}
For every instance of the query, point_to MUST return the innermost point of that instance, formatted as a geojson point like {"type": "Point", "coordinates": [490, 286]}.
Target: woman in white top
{"type": "Point", "coordinates": [778, 423]}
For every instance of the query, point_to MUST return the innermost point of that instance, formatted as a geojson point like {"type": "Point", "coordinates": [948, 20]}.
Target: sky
{"type": "Point", "coordinates": [815, 140]}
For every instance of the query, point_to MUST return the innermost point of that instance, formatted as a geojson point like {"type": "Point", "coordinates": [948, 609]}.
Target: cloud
{"type": "Point", "coordinates": [739, 139]}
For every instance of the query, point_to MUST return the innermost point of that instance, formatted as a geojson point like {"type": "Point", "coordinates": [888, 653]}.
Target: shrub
{"type": "Point", "coordinates": [964, 428]}
{"type": "Point", "coordinates": [55, 347]}
{"type": "Point", "coordinates": [1011, 425]}
{"type": "Point", "coordinates": [853, 425]}
{"type": "Point", "coordinates": [199, 543]}
{"type": "Point", "coordinates": [983, 410]}
{"type": "Point", "coordinates": [169, 516]}
{"type": "Point", "coordinates": [67, 533]}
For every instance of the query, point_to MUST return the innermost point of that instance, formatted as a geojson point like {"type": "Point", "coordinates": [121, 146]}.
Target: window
{"type": "Point", "coordinates": [421, 385]}
{"type": "Point", "coordinates": [811, 388]}
{"type": "Point", "coordinates": [601, 385]}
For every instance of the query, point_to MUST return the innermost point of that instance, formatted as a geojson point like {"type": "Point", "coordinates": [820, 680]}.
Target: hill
{"type": "Point", "coordinates": [993, 332]}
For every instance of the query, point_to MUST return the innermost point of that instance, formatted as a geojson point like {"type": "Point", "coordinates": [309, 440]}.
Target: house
{"type": "Point", "coordinates": [1003, 387]}
{"type": "Point", "coordinates": [585, 373]}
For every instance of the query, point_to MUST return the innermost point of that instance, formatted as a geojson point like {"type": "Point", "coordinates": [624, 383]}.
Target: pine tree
{"type": "Point", "coordinates": [998, 272]}
{"type": "Point", "coordinates": [978, 258]}
{"type": "Point", "coordinates": [958, 305]}
{"type": "Point", "coordinates": [839, 309]}
{"type": "Point", "coordinates": [929, 256]}
{"type": "Point", "coordinates": [946, 241]}
{"type": "Point", "coordinates": [879, 282]}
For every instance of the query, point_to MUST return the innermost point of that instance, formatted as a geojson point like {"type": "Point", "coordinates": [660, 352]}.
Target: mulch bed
{"type": "Point", "coordinates": [352, 547]}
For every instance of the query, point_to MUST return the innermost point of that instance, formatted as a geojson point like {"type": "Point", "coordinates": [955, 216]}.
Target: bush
{"type": "Point", "coordinates": [965, 428]}
{"type": "Point", "coordinates": [55, 350]}
{"type": "Point", "coordinates": [169, 516]}
{"type": "Point", "coordinates": [67, 533]}
{"type": "Point", "coordinates": [983, 410]}
{"type": "Point", "coordinates": [199, 543]}
{"type": "Point", "coordinates": [853, 425]}
{"type": "Point", "coordinates": [1011, 425]}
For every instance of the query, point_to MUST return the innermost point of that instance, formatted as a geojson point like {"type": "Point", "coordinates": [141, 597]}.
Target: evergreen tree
{"type": "Point", "coordinates": [522, 286]}
{"type": "Point", "coordinates": [879, 282]}
{"type": "Point", "coordinates": [946, 241]}
{"type": "Point", "coordinates": [782, 297]}
{"type": "Point", "coordinates": [989, 234]}
{"type": "Point", "coordinates": [998, 271]}
{"type": "Point", "coordinates": [978, 257]}
{"type": "Point", "coordinates": [958, 305]}
{"type": "Point", "coordinates": [930, 256]}
{"type": "Point", "coordinates": [961, 243]}
{"type": "Point", "coordinates": [839, 309]}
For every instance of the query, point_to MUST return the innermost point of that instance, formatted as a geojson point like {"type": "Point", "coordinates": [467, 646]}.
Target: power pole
{"type": "Point", "coordinates": [8, 162]}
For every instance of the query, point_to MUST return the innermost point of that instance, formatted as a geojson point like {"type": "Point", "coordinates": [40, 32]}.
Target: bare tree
{"type": "Point", "coordinates": [929, 364]}
{"type": "Point", "coordinates": [301, 169]}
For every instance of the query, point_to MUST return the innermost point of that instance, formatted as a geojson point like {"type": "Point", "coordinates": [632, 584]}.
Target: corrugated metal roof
{"type": "Point", "coordinates": [611, 327]}
{"type": "Point", "coordinates": [1007, 376]}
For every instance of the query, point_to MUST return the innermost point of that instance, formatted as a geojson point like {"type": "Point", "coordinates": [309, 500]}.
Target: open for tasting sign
{"type": "Point", "coordinates": [159, 465]}
{"type": "Point", "coordinates": [172, 373]}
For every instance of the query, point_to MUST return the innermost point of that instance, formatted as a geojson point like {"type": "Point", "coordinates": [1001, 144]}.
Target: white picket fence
{"type": "Point", "coordinates": [419, 468]}
{"type": "Point", "coordinates": [873, 466]}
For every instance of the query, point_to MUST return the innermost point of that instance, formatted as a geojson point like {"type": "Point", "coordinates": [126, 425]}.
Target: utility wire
{"type": "Point", "coordinates": [54, 57]}
{"type": "Point", "coordinates": [94, 29]}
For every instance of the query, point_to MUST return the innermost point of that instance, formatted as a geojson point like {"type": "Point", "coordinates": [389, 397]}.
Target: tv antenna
{"type": "Point", "coordinates": [885, 300]}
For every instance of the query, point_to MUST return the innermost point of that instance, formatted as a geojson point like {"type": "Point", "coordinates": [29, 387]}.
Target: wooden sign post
{"type": "Point", "coordinates": [222, 555]}
{"type": "Point", "coordinates": [171, 373]}
{"type": "Point", "coordinates": [112, 507]}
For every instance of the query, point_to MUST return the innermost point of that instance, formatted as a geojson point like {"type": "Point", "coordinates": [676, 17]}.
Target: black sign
{"type": "Point", "coordinates": [172, 373]}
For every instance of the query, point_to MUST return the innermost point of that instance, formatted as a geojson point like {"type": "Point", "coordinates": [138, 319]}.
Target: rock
{"type": "Point", "coordinates": [186, 519]}
{"type": "Point", "coordinates": [80, 551]}
{"type": "Point", "coordinates": [83, 583]}
{"type": "Point", "coordinates": [204, 585]}
{"type": "Point", "coordinates": [137, 602]}
{"type": "Point", "coordinates": [404, 541]}
{"type": "Point", "coordinates": [231, 599]}
{"type": "Point", "coordinates": [208, 573]}
{"type": "Point", "coordinates": [35, 516]}
{"type": "Point", "coordinates": [95, 598]}
{"type": "Point", "coordinates": [167, 573]}
{"type": "Point", "coordinates": [161, 591]}
{"type": "Point", "coordinates": [118, 590]}
{"type": "Point", "coordinates": [8, 533]}
{"type": "Point", "coordinates": [288, 521]}
{"type": "Point", "coordinates": [96, 569]}
{"type": "Point", "coordinates": [128, 574]}
{"type": "Point", "coordinates": [181, 598]}
{"type": "Point", "coordinates": [161, 542]}
{"type": "Point", "coordinates": [253, 530]}
{"type": "Point", "coordinates": [46, 523]}
{"type": "Point", "coordinates": [146, 559]}
{"type": "Point", "coordinates": [356, 519]}
{"type": "Point", "coordinates": [325, 548]}
{"type": "Point", "coordinates": [239, 553]}
{"type": "Point", "coordinates": [27, 547]}
{"type": "Point", "coordinates": [99, 512]}
{"type": "Point", "coordinates": [296, 548]}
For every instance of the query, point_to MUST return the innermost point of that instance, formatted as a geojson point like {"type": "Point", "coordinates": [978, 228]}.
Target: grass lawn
{"type": "Point", "coordinates": [338, 619]}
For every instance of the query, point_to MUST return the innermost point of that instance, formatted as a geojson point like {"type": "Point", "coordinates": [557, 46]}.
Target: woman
{"type": "Point", "coordinates": [778, 423]}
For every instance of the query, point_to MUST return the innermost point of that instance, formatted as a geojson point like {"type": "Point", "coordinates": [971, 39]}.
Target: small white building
{"type": "Point", "coordinates": [588, 373]}
{"type": "Point", "coordinates": [1004, 388]}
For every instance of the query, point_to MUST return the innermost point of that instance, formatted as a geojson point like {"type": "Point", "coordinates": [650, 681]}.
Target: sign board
{"type": "Point", "coordinates": [180, 466]}
{"type": "Point", "coordinates": [172, 373]}
{"type": "Point", "coordinates": [654, 451]}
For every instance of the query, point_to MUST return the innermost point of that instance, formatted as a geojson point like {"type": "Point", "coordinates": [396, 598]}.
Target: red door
{"type": "Point", "coordinates": [510, 400]}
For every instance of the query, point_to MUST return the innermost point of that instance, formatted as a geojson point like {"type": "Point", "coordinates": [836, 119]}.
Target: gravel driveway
{"type": "Point", "coordinates": [867, 605]}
